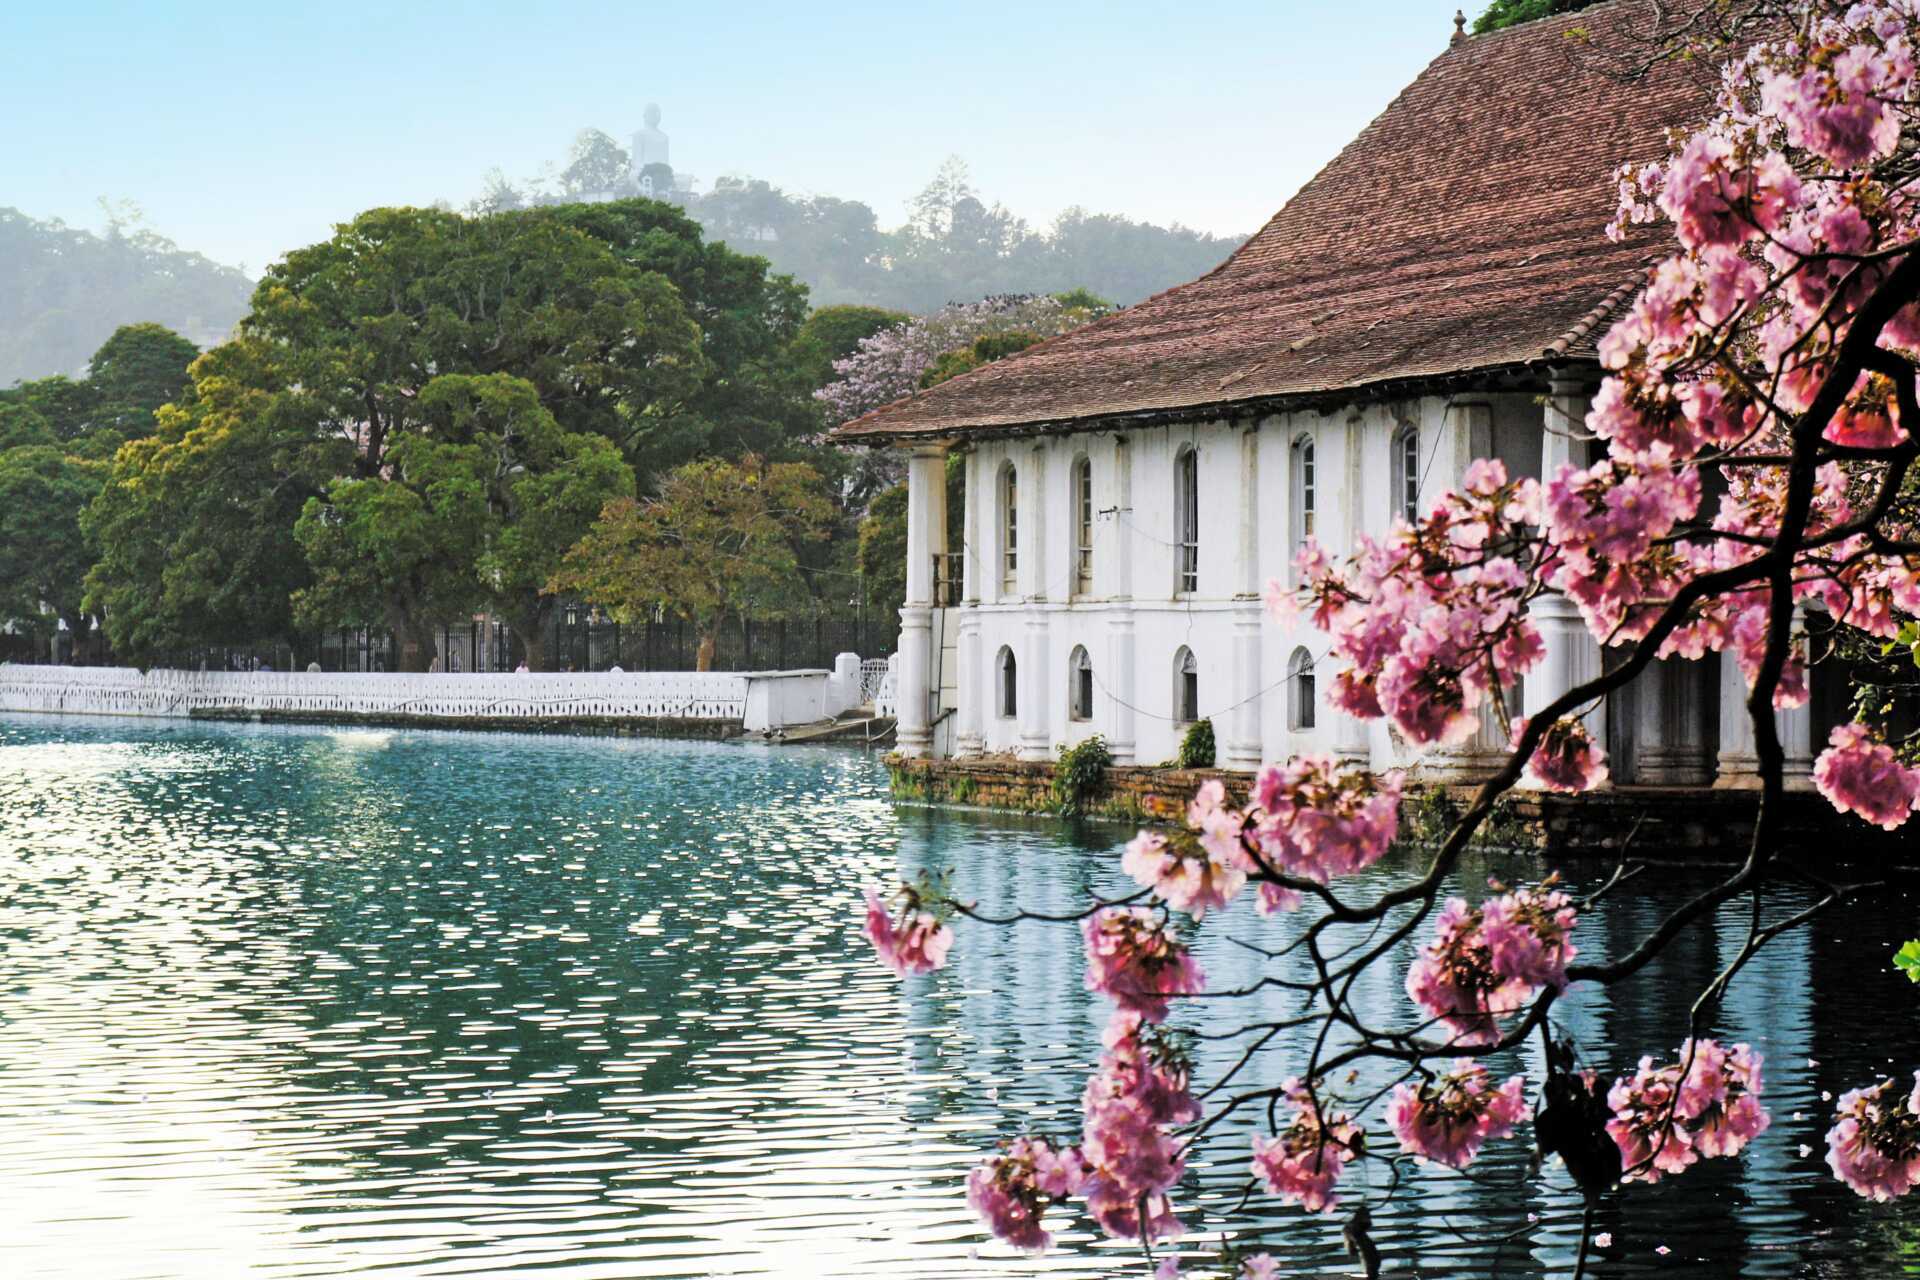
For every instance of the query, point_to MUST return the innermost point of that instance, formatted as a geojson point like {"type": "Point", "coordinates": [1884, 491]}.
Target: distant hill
{"type": "Point", "coordinates": [64, 290]}
{"type": "Point", "coordinates": [955, 247]}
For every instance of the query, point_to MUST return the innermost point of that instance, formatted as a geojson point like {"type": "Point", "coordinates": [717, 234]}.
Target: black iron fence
{"type": "Point", "coordinates": [578, 639]}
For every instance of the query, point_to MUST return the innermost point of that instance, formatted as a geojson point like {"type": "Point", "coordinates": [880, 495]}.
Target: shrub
{"type": "Point", "coordinates": [1081, 773]}
{"type": "Point", "coordinates": [1196, 749]}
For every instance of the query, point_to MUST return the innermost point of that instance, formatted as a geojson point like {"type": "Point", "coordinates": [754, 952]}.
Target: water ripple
{"type": "Point", "coordinates": [302, 1003]}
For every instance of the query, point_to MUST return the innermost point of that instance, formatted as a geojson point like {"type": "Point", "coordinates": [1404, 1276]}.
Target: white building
{"type": "Point", "coordinates": [1434, 295]}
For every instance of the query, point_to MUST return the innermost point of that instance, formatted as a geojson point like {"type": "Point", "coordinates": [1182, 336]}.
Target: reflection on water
{"type": "Point", "coordinates": [307, 1003]}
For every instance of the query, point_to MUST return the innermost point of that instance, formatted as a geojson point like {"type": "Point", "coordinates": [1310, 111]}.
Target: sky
{"type": "Point", "coordinates": [244, 130]}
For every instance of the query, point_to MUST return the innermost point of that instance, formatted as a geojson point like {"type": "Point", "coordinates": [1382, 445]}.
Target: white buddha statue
{"type": "Point", "coordinates": [649, 145]}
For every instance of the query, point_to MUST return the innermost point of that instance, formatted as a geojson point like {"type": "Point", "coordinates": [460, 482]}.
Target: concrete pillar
{"type": "Point", "coordinates": [1243, 750]}
{"type": "Point", "coordinates": [1670, 724]}
{"type": "Point", "coordinates": [1120, 688]}
{"type": "Point", "coordinates": [926, 537]}
{"type": "Point", "coordinates": [1034, 500]}
{"type": "Point", "coordinates": [1352, 736]}
{"type": "Point", "coordinates": [1037, 692]}
{"type": "Point", "coordinates": [1118, 678]}
{"type": "Point", "coordinates": [1572, 654]}
{"type": "Point", "coordinates": [1739, 765]}
{"type": "Point", "coordinates": [974, 684]}
{"type": "Point", "coordinates": [1796, 723]}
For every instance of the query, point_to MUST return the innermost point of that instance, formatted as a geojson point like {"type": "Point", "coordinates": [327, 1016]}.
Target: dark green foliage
{"type": "Point", "coordinates": [832, 333]}
{"type": "Point", "coordinates": [751, 396]}
{"type": "Point", "coordinates": [882, 556]}
{"type": "Point", "coordinates": [1511, 13]}
{"type": "Point", "coordinates": [1081, 774]}
{"type": "Point", "coordinates": [1083, 300]}
{"type": "Point", "coordinates": [1196, 748]}
{"type": "Point", "coordinates": [984, 350]}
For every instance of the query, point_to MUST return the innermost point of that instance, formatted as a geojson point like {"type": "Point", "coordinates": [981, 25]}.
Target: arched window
{"type": "Point", "coordinates": [1186, 514]}
{"type": "Point", "coordinates": [1080, 685]}
{"type": "Point", "coordinates": [1009, 532]}
{"type": "Point", "coordinates": [1009, 680]}
{"type": "Point", "coordinates": [1304, 494]}
{"type": "Point", "coordinates": [1300, 678]}
{"type": "Point", "coordinates": [1406, 472]}
{"type": "Point", "coordinates": [1186, 686]}
{"type": "Point", "coordinates": [1083, 526]}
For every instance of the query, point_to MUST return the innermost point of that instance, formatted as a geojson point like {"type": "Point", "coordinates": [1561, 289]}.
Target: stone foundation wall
{"type": "Point", "coordinates": [1669, 822]}
{"type": "Point", "coordinates": [1132, 792]}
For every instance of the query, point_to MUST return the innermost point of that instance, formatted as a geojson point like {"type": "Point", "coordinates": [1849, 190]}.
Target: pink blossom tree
{"type": "Point", "coordinates": [1758, 416]}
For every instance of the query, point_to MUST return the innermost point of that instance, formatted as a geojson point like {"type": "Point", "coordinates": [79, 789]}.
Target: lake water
{"type": "Point", "coordinates": [301, 1002]}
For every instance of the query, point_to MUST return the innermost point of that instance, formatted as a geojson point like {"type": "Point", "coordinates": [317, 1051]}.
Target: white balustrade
{"type": "Point", "coordinates": [783, 698]}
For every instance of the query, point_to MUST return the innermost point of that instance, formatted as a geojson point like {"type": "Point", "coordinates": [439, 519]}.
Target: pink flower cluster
{"type": "Point", "coordinates": [1433, 616]}
{"type": "Point", "coordinates": [1860, 775]}
{"type": "Point", "coordinates": [1567, 759]}
{"type": "Point", "coordinates": [1874, 1145]}
{"type": "Point", "coordinates": [913, 942]}
{"type": "Point", "coordinates": [889, 365]}
{"type": "Point", "coordinates": [1131, 1103]}
{"type": "Point", "coordinates": [1448, 1118]}
{"type": "Point", "coordinates": [1315, 820]}
{"type": "Point", "coordinates": [1487, 962]}
{"type": "Point", "coordinates": [1013, 1190]}
{"type": "Point", "coordinates": [1302, 1163]}
{"type": "Point", "coordinates": [1842, 108]}
{"type": "Point", "coordinates": [1188, 874]}
{"type": "Point", "coordinates": [1705, 1105]}
{"type": "Point", "coordinates": [1133, 957]}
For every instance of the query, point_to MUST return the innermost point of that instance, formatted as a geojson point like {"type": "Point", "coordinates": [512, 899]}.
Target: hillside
{"type": "Point", "coordinates": [64, 290]}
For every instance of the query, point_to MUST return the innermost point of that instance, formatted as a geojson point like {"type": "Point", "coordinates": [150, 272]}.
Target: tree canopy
{"type": "Point", "coordinates": [43, 554]}
{"type": "Point", "coordinates": [1511, 13]}
{"type": "Point", "coordinates": [425, 410]}
{"type": "Point", "coordinates": [716, 539]}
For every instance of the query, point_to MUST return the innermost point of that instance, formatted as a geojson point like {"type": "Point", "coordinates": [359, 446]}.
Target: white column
{"type": "Point", "coordinates": [975, 685]}
{"type": "Point", "coordinates": [1034, 501]}
{"type": "Point", "coordinates": [1243, 725]}
{"type": "Point", "coordinates": [926, 537]}
{"type": "Point", "coordinates": [1739, 768]}
{"type": "Point", "coordinates": [1796, 723]}
{"type": "Point", "coordinates": [1118, 676]}
{"type": "Point", "coordinates": [1352, 737]}
{"type": "Point", "coordinates": [1037, 692]}
{"type": "Point", "coordinates": [1739, 765]}
{"type": "Point", "coordinates": [1668, 715]}
{"type": "Point", "coordinates": [1572, 654]}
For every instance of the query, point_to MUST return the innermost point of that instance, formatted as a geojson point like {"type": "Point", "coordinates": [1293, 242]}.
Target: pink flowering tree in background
{"type": "Point", "coordinates": [893, 364]}
{"type": "Point", "coordinates": [1757, 420]}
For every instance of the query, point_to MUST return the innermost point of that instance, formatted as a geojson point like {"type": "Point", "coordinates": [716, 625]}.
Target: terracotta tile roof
{"type": "Point", "coordinates": [1461, 231]}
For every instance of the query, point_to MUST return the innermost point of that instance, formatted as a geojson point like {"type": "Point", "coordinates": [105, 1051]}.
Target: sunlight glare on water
{"type": "Point", "coordinates": [304, 1002]}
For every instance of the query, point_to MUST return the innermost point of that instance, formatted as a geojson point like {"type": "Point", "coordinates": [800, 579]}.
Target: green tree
{"type": "Point", "coordinates": [882, 555]}
{"type": "Point", "coordinates": [982, 350]}
{"type": "Point", "coordinates": [476, 510]}
{"type": "Point", "coordinates": [545, 490]}
{"type": "Point", "coordinates": [717, 539]}
{"type": "Point", "coordinates": [344, 338]}
{"type": "Point", "coordinates": [751, 397]}
{"type": "Point", "coordinates": [43, 553]}
{"type": "Point", "coordinates": [1511, 13]}
{"type": "Point", "coordinates": [21, 425]}
{"type": "Point", "coordinates": [138, 369]}
{"type": "Point", "coordinates": [833, 333]}
{"type": "Point", "coordinates": [595, 164]}
{"type": "Point", "coordinates": [194, 529]}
